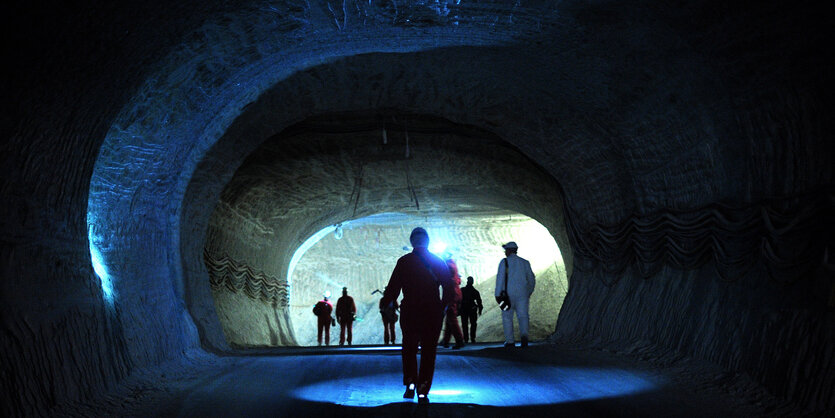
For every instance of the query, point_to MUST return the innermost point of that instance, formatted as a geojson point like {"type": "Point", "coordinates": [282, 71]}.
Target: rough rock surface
{"type": "Point", "coordinates": [123, 123]}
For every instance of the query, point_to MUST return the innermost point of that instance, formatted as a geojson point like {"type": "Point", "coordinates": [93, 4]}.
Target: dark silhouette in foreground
{"type": "Point", "coordinates": [419, 274]}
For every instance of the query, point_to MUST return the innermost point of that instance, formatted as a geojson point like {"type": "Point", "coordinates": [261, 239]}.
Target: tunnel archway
{"type": "Point", "coordinates": [171, 150]}
{"type": "Point", "coordinates": [361, 255]}
{"type": "Point", "coordinates": [665, 110]}
{"type": "Point", "coordinates": [340, 167]}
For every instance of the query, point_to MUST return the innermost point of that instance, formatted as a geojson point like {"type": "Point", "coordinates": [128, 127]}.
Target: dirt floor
{"type": "Point", "coordinates": [477, 381]}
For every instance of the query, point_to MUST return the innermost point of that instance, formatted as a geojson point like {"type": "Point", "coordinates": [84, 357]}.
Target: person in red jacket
{"type": "Point", "coordinates": [452, 327]}
{"type": "Point", "coordinates": [323, 309]}
{"type": "Point", "coordinates": [346, 310]}
{"type": "Point", "coordinates": [419, 274]}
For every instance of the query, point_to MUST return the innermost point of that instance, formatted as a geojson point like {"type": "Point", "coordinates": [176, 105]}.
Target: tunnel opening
{"type": "Point", "coordinates": [666, 109]}
{"type": "Point", "coordinates": [361, 253]}
{"type": "Point", "coordinates": [328, 175]}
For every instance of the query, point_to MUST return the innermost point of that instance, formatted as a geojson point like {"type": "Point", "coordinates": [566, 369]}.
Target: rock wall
{"type": "Point", "coordinates": [335, 169]}
{"type": "Point", "coordinates": [751, 293]}
{"type": "Point", "coordinates": [123, 122]}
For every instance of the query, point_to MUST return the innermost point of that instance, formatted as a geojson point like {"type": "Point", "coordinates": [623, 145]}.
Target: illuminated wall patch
{"type": "Point", "coordinates": [100, 267]}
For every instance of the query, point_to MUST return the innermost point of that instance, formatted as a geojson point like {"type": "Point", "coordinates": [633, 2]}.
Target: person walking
{"type": "Point", "coordinates": [451, 327]}
{"type": "Point", "coordinates": [323, 309]}
{"type": "Point", "coordinates": [471, 308]}
{"type": "Point", "coordinates": [418, 275]}
{"type": "Point", "coordinates": [388, 312]}
{"type": "Point", "coordinates": [346, 311]}
{"type": "Point", "coordinates": [515, 283]}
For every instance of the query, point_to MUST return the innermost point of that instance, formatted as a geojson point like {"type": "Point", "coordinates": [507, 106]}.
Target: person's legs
{"type": "Point", "coordinates": [385, 332]}
{"type": "Point", "coordinates": [319, 332]}
{"type": "Point", "coordinates": [522, 316]}
{"type": "Point", "coordinates": [350, 326]}
{"type": "Point", "coordinates": [474, 320]}
{"type": "Point", "coordinates": [507, 324]}
{"type": "Point", "coordinates": [391, 332]}
{"type": "Point", "coordinates": [447, 332]}
{"type": "Point", "coordinates": [428, 350]}
{"type": "Point", "coordinates": [465, 328]}
{"type": "Point", "coordinates": [452, 328]}
{"type": "Point", "coordinates": [409, 355]}
{"type": "Point", "coordinates": [327, 327]}
{"type": "Point", "coordinates": [342, 326]}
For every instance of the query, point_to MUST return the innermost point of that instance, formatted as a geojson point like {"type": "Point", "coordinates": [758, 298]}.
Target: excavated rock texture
{"type": "Point", "coordinates": [761, 314]}
{"type": "Point", "coordinates": [335, 169]}
{"type": "Point", "coordinates": [124, 122]}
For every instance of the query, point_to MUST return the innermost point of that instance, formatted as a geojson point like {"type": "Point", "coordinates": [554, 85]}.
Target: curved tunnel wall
{"type": "Point", "coordinates": [658, 108]}
{"type": "Point", "coordinates": [335, 168]}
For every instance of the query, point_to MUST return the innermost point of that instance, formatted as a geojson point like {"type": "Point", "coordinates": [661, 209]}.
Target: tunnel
{"type": "Point", "coordinates": [180, 179]}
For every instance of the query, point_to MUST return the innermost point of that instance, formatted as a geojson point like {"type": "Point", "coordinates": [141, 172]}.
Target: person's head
{"type": "Point", "coordinates": [344, 291]}
{"type": "Point", "coordinates": [469, 280]}
{"type": "Point", "coordinates": [419, 238]}
{"type": "Point", "coordinates": [510, 248]}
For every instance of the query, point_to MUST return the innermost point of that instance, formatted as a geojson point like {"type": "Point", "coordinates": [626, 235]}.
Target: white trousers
{"type": "Point", "coordinates": [520, 307]}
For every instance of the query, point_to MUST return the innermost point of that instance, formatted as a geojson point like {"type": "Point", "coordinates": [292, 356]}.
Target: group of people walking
{"type": "Point", "coordinates": [467, 304]}
{"type": "Point", "coordinates": [346, 313]}
{"type": "Point", "coordinates": [418, 275]}
{"type": "Point", "coordinates": [423, 310]}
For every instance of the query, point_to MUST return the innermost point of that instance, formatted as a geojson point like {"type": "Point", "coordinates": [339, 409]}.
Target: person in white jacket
{"type": "Point", "coordinates": [520, 285]}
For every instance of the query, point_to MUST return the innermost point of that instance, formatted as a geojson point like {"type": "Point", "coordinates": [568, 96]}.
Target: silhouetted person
{"type": "Point", "coordinates": [323, 309]}
{"type": "Point", "coordinates": [346, 311]}
{"type": "Point", "coordinates": [419, 274]}
{"type": "Point", "coordinates": [471, 308]}
{"type": "Point", "coordinates": [451, 312]}
{"type": "Point", "coordinates": [516, 277]}
{"type": "Point", "coordinates": [388, 312]}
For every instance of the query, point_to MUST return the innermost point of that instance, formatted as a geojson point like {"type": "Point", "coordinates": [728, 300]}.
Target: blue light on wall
{"type": "Point", "coordinates": [100, 268]}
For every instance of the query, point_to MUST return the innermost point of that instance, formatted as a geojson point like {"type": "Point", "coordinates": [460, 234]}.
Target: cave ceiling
{"type": "Point", "coordinates": [343, 167]}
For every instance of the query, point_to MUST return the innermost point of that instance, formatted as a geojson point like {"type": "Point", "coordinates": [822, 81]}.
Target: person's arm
{"type": "Point", "coordinates": [500, 279]}
{"type": "Point", "coordinates": [531, 280]}
{"type": "Point", "coordinates": [394, 286]}
{"type": "Point", "coordinates": [444, 275]}
{"type": "Point", "coordinates": [353, 307]}
{"type": "Point", "coordinates": [339, 308]}
{"type": "Point", "coordinates": [456, 283]}
{"type": "Point", "coordinates": [477, 299]}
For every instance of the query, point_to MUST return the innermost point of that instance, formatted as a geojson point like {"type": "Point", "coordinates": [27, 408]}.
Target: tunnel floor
{"type": "Point", "coordinates": [480, 380]}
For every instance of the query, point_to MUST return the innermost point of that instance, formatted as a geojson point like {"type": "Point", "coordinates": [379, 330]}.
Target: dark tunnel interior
{"type": "Point", "coordinates": [666, 166]}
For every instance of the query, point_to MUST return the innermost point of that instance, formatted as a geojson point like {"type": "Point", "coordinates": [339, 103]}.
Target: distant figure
{"type": "Point", "coordinates": [388, 312]}
{"type": "Point", "coordinates": [346, 311]}
{"type": "Point", "coordinates": [322, 309]}
{"type": "Point", "coordinates": [471, 308]}
{"type": "Point", "coordinates": [515, 279]}
{"type": "Point", "coordinates": [451, 312]}
{"type": "Point", "coordinates": [419, 274]}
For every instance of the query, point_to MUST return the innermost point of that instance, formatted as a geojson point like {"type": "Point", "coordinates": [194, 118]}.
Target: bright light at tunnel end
{"type": "Point", "coordinates": [437, 247]}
